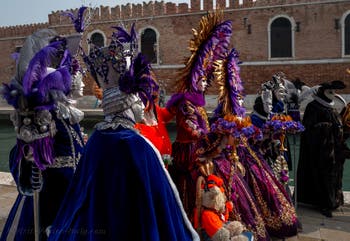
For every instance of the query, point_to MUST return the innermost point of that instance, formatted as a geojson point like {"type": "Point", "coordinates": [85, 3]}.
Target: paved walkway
{"type": "Point", "coordinates": [316, 227]}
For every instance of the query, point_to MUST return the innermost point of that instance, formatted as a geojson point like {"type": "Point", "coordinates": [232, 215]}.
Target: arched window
{"type": "Point", "coordinates": [149, 45]}
{"type": "Point", "coordinates": [281, 38]}
{"type": "Point", "coordinates": [97, 39]}
{"type": "Point", "coordinates": [347, 35]}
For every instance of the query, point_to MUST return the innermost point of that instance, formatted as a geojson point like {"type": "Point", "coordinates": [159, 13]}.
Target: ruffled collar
{"type": "Point", "coordinates": [70, 112]}
{"type": "Point", "coordinates": [323, 102]}
{"type": "Point", "coordinates": [114, 121]}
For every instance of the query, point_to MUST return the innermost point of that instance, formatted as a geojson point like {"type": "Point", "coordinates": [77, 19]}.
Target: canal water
{"type": "Point", "coordinates": [7, 141]}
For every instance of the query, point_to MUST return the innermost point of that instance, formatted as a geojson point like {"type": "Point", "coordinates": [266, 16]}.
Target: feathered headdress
{"type": "Point", "coordinates": [227, 73]}
{"type": "Point", "coordinates": [141, 79]}
{"type": "Point", "coordinates": [77, 19]}
{"type": "Point", "coordinates": [129, 40]}
{"type": "Point", "coordinates": [208, 44]}
{"type": "Point", "coordinates": [42, 85]}
{"type": "Point", "coordinates": [108, 64]}
{"type": "Point", "coordinates": [115, 71]}
{"type": "Point", "coordinates": [230, 114]}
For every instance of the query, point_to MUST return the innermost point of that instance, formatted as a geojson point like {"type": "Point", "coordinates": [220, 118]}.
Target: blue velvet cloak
{"type": "Point", "coordinates": [20, 222]}
{"type": "Point", "coordinates": [121, 191]}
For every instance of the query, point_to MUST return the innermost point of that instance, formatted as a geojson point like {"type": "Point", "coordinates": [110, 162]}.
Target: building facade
{"type": "Point", "coordinates": [306, 39]}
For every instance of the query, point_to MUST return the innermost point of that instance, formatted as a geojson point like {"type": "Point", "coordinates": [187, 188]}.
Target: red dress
{"type": "Point", "coordinates": [158, 134]}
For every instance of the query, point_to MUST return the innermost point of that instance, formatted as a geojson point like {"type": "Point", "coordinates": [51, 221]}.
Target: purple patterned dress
{"type": "Point", "coordinates": [271, 197]}
{"type": "Point", "coordinates": [245, 209]}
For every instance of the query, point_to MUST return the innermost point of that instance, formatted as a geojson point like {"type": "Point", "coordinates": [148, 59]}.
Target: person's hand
{"type": "Point", "coordinates": [97, 91]}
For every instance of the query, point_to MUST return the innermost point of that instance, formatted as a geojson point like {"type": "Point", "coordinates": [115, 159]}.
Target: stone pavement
{"type": "Point", "coordinates": [316, 227]}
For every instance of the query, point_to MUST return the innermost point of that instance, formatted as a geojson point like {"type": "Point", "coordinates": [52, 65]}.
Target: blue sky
{"type": "Point", "coordinates": [18, 12]}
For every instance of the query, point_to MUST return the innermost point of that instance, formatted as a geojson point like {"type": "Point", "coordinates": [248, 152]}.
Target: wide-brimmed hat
{"type": "Point", "coordinates": [334, 85]}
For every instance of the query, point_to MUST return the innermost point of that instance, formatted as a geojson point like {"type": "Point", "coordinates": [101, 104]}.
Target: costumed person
{"type": "Point", "coordinates": [271, 199]}
{"type": "Point", "coordinates": [216, 156]}
{"type": "Point", "coordinates": [209, 43]}
{"type": "Point", "coordinates": [320, 165]}
{"type": "Point", "coordinates": [121, 189]}
{"type": "Point", "coordinates": [269, 111]}
{"type": "Point", "coordinates": [153, 125]}
{"type": "Point", "coordinates": [214, 213]}
{"type": "Point", "coordinates": [49, 139]}
{"type": "Point", "coordinates": [269, 103]}
{"type": "Point", "coordinates": [297, 92]}
{"type": "Point", "coordinates": [218, 148]}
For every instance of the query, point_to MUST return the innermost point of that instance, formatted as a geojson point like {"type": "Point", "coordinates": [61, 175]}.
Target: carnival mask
{"type": "Point", "coordinates": [138, 109]}
{"type": "Point", "coordinates": [78, 85]}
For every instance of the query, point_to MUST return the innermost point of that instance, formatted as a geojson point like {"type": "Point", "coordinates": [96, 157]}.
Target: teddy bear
{"type": "Point", "coordinates": [214, 213]}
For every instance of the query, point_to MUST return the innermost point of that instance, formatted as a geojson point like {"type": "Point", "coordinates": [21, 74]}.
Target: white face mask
{"type": "Point", "coordinates": [138, 108]}
{"type": "Point", "coordinates": [330, 94]}
{"type": "Point", "coordinates": [240, 100]}
{"type": "Point", "coordinates": [202, 85]}
{"type": "Point", "coordinates": [77, 85]}
{"type": "Point", "coordinates": [266, 97]}
{"type": "Point", "coordinates": [280, 93]}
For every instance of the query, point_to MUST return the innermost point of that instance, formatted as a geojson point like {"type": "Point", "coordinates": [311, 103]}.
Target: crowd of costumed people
{"type": "Point", "coordinates": [225, 177]}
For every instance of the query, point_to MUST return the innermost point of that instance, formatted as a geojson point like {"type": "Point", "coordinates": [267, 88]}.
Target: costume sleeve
{"type": "Point", "coordinates": [164, 114]}
{"type": "Point", "coordinates": [189, 121]}
{"type": "Point", "coordinates": [211, 222]}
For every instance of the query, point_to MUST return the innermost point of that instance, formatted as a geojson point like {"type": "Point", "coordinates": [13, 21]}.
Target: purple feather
{"type": "Point", "coordinates": [37, 66]}
{"type": "Point", "coordinates": [123, 36]}
{"type": "Point", "coordinates": [78, 21]}
{"type": "Point", "coordinates": [57, 80]}
{"type": "Point", "coordinates": [140, 79]}
{"type": "Point", "coordinates": [195, 98]}
{"type": "Point", "coordinates": [42, 151]}
{"type": "Point", "coordinates": [215, 47]}
{"type": "Point", "coordinates": [234, 83]}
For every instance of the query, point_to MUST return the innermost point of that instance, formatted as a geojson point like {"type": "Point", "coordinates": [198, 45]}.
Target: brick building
{"type": "Point", "coordinates": [308, 39]}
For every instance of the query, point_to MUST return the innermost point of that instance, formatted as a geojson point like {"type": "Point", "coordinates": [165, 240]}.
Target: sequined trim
{"type": "Point", "coordinates": [69, 161]}
{"type": "Point", "coordinates": [274, 220]}
{"type": "Point", "coordinates": [65, 161]}
{"type": "Point", "coordinates": [115, 123]}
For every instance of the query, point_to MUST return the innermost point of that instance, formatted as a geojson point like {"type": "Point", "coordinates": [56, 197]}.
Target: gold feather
{"type": "Point", "coordinates": [206, 27]}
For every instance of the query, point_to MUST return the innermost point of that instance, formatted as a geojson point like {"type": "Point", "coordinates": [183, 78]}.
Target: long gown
{"type": "Point", "coordinates": [191, 125]}
{"type": "Point", "coordinates": [245, 208]}
{"type": "Point", "coordinates": [121, 191]}
{"type": "Point", "coordinates": [271, 197]}
{"type": "Point", "coordinates": [319, 166]}
{"type": "Point", "coordinates": [68, 147]}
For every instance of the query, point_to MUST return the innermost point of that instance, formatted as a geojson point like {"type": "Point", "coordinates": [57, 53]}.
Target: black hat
{"type": "Point", "coordinates": [334, 85]}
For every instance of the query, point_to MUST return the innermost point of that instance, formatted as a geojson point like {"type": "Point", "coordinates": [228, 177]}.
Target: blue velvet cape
{"type": "Point", "coordinates": [55, 183]}
{"type": "Point", "coordinates": [121, 191]}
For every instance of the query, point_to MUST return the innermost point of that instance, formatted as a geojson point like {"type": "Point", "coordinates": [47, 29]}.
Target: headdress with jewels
{"type": "Point", "coordinates": [36, 92]}
{"type": "Point", "coordinates": [208, 44]}
{"type": "Point", "coordinates": [142, 79]}
{"type": "Point", "coordinates": [108, 64]}
{"type": "Point", "coordinates": [113, 68]}
{"type": "Point", "coordinates": [229, 115]}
